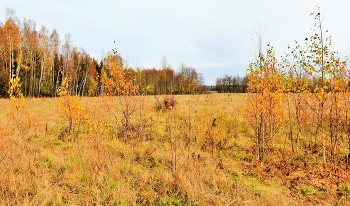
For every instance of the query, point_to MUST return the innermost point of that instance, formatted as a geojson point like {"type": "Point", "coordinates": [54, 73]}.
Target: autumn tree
{"type": "Point", "coordinates": [29, 49]}
{"type": "Point", "coordinates": [12, 56]}
{"type": "Point", "coordinates": [120, 82]}
{"type": "Point", "coordinates": [264, 102]}
{"type": "Point", "coordinates": [330, 77]}
{"type": "Point", "coordinates": [72, 112]}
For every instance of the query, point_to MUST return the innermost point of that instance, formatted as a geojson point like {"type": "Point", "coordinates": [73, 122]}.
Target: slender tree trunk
{"type": "Point", "coordinates": [41, 75]}
{"type": "Point", "coordinates": [84, 82]}
{"type": "Point", "coordinates": [56, 85]}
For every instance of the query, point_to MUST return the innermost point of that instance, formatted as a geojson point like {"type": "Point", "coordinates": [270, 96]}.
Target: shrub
{"type": "Point", "coordinates": [169, 102]}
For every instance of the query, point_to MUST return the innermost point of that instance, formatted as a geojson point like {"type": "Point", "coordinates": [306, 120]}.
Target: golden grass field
{"type": "Point", "coordinates": [174, 157]}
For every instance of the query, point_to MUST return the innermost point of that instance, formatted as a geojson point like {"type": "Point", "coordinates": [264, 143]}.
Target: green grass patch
{"type": "Point", "coordinates": [308, 190]}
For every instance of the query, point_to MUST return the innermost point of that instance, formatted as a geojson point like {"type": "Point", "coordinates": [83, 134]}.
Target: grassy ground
{"type": "Point", "coordinates": [166, 157]}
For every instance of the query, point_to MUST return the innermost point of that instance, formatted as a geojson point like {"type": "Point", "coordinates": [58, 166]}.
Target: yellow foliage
{"type": "Point", "coordinates": [71, 109]}
{"type": "Point", "coordinates": [18, 115]}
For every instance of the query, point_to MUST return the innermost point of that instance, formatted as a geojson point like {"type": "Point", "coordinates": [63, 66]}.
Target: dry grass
{"type": "Point", "coordinates": [168, 160]}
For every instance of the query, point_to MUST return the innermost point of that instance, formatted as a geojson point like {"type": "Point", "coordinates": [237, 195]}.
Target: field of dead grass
{"type": "Point", "coordinates": [177, 156]}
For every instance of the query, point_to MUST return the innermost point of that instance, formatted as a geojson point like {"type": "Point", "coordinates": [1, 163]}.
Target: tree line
{"type": "Point", "coordinates": [232, 84]}
{"type": "Point", "coordinates": [41, 61]}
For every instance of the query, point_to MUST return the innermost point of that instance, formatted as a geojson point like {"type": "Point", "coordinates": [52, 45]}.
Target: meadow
{"type": "Point", "coordinates": [162, 155]}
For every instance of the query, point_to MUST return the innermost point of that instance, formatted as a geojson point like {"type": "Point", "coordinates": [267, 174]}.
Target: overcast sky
{"type": "Point", "coordinates": [214, 36]}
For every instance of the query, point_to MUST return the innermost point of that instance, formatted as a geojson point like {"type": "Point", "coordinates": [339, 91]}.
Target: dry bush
{"type": "Point", "coordinates": [169, 102]}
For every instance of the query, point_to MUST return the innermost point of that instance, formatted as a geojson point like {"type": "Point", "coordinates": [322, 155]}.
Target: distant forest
{"type": "Point", "coordinates": [232, 84]}
{"type": "Point", "coordinates": [42, 61]}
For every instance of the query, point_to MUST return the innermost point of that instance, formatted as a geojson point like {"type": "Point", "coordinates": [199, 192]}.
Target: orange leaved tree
{"type": "Point", "coordinates": [72, 112]}
{"type": "Point", "coordinates": [120, 82]}
{"type": "Point", "coordinates": [264, 102]}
